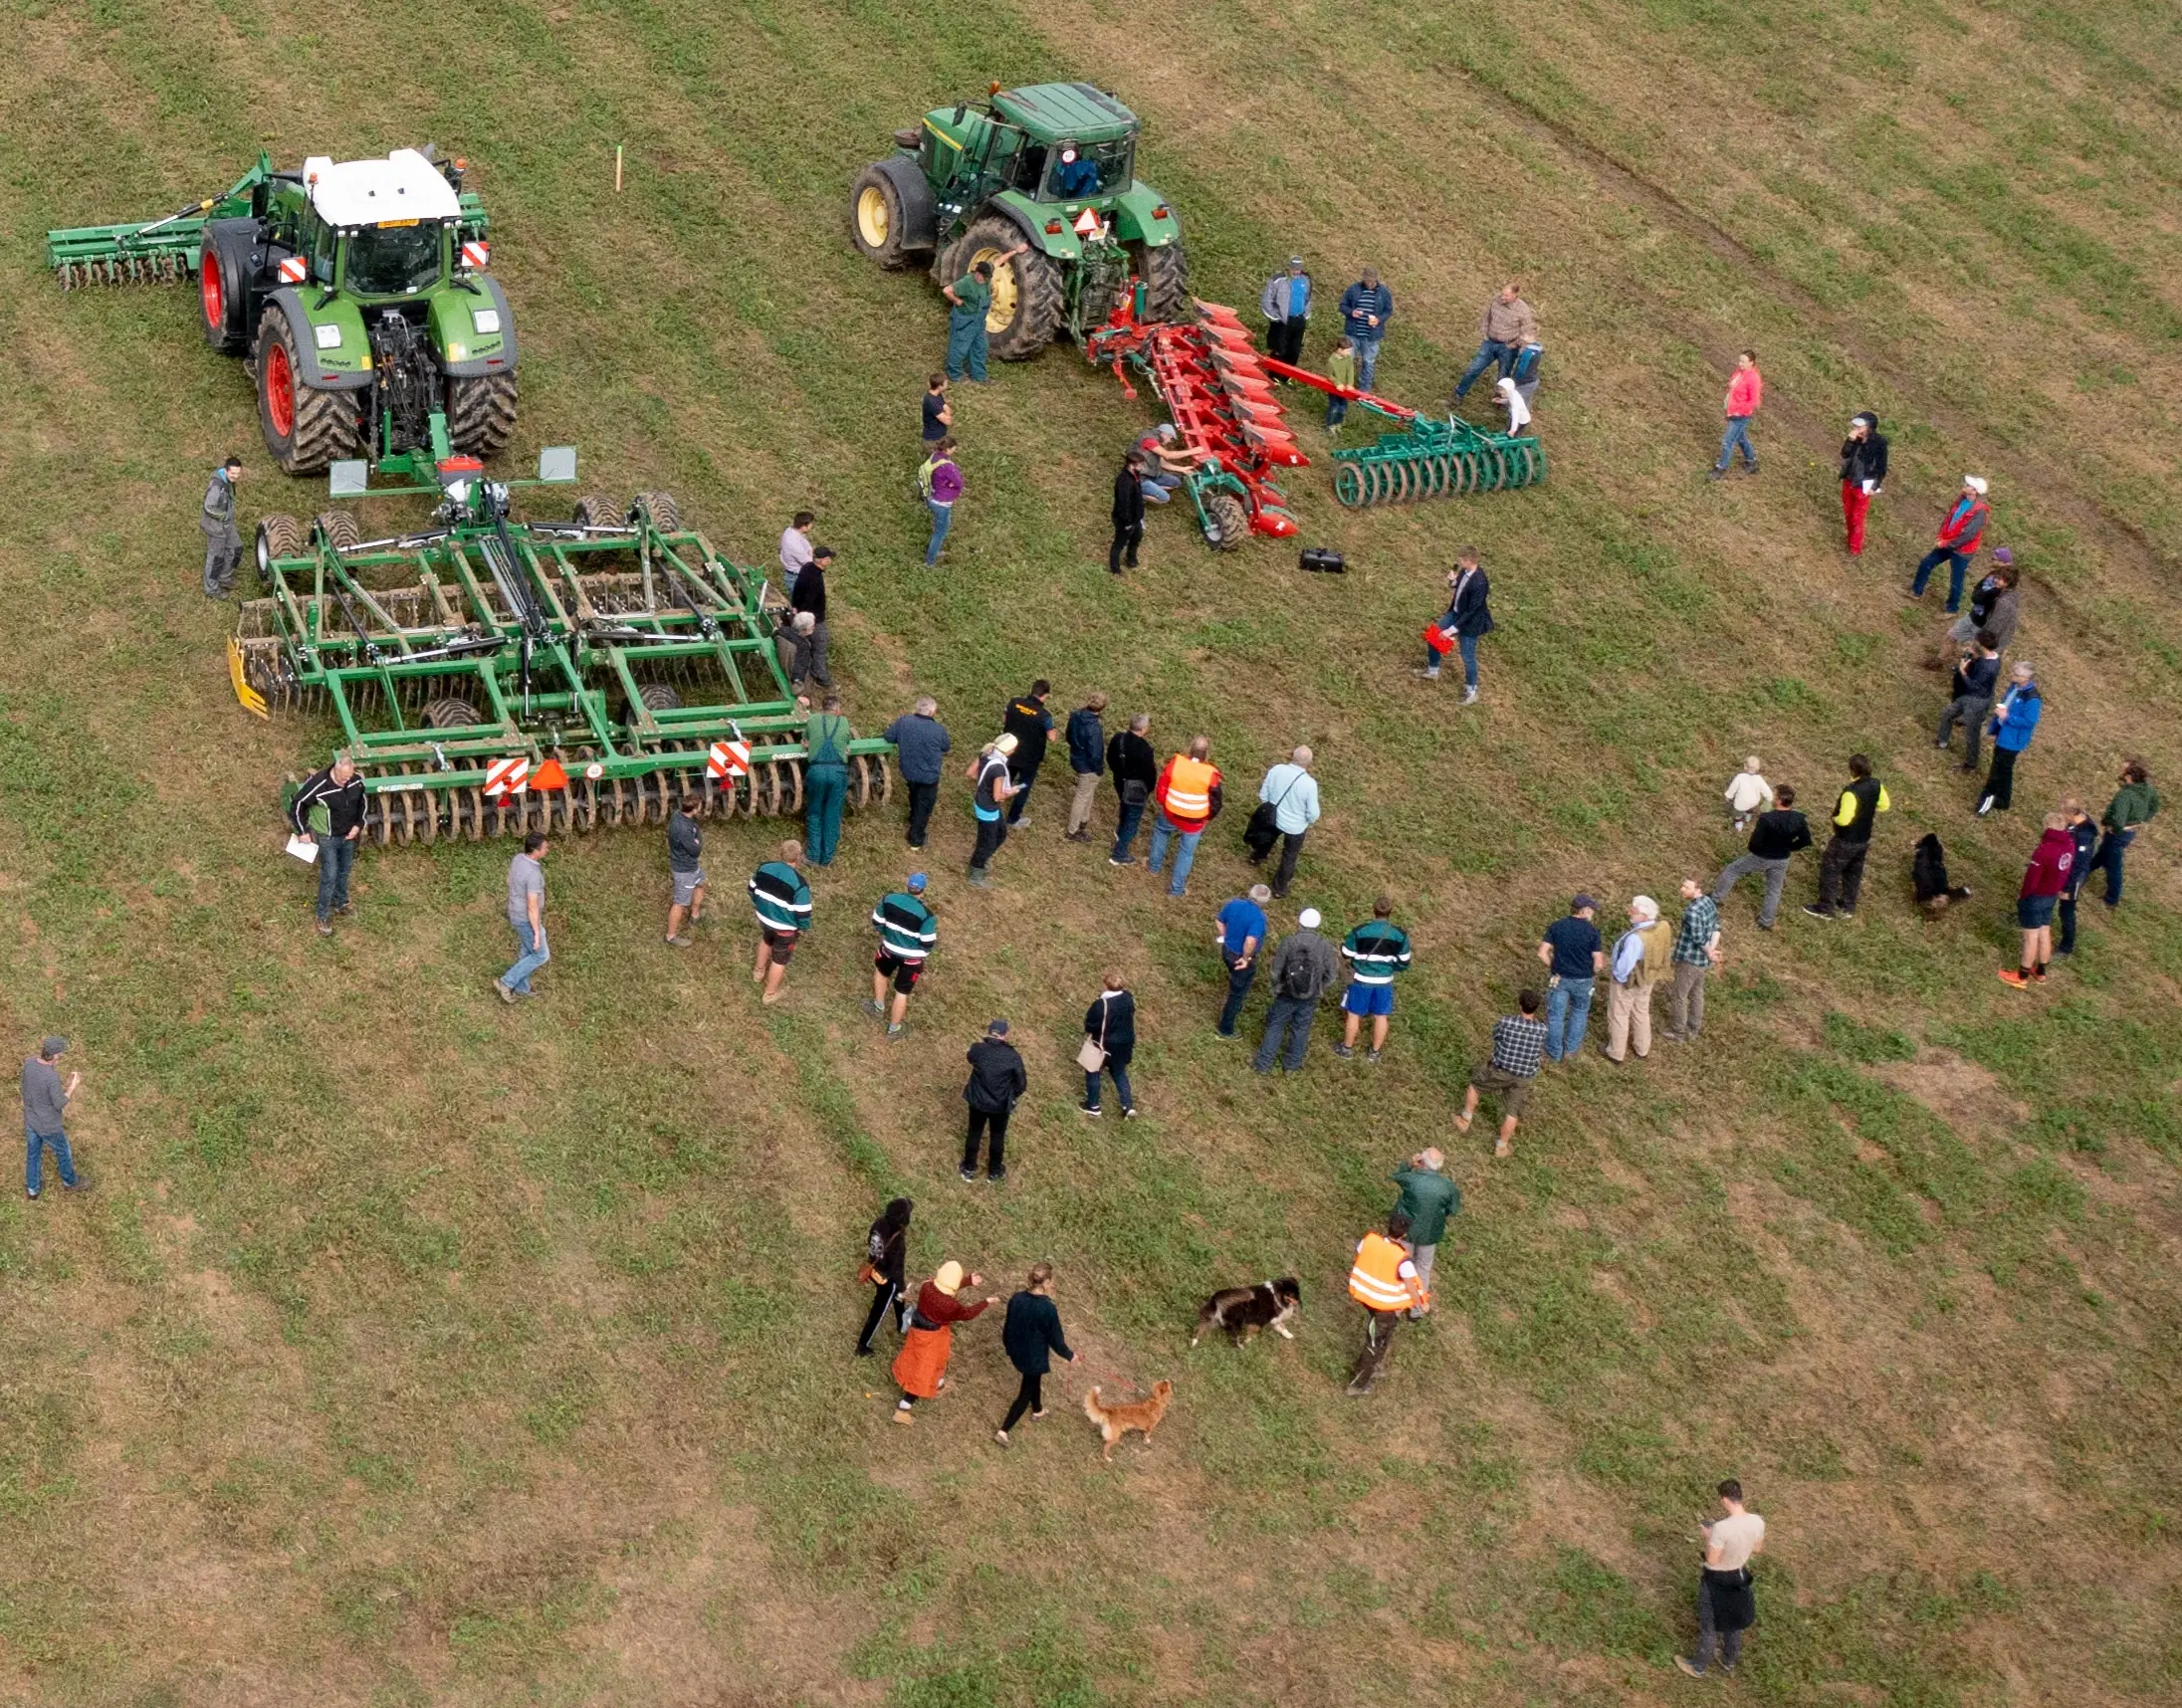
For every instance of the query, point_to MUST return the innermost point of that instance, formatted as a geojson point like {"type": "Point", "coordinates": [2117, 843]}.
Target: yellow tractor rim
{"type": "Point", "coordinates": [1002, 315]}
{"type": "Point", "coordinates": [871, 217]}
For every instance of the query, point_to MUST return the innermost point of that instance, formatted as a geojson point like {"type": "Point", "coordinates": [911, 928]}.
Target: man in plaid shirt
{"type": "Point", "coordinates": [1518, 1046]}
{"type": "Point", "coordinates": [1696, 953]}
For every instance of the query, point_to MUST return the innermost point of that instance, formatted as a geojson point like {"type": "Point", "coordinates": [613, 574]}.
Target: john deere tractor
{"type": "Point", "coordinates": [358, 288]}
{"type": "Point", "coordinates": [1051, 165]}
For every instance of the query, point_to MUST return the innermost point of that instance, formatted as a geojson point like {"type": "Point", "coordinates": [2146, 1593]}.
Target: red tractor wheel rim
{"type": "Point", "coordinates": [280, 389]}
{"type": "Point", "coordinates": [208, 288]}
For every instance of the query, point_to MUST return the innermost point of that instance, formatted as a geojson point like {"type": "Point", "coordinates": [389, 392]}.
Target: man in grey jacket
{"type": "Point", "coordinates": [44, 1103]}
{"type": "Point", "coordinates": [223, 546]}
{"type": "Point", "coordinates": [1286, 304]}
{"type": "Point", "coordinates": [1304, 969]}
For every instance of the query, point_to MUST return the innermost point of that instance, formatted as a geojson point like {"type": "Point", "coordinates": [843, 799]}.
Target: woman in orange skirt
{"type": "Point", "coordinates": [921, 1365]}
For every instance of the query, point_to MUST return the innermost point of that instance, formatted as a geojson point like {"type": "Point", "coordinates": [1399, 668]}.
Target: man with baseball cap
{"type": "Point", "coordinates": [45, 1101]}
{"type": "Point", "coordinates": [1574, 953]}
{"type": "Point", "coordinates": [907, 931]}
{"type": "Point", "coordinates": [997, 1082]}
{"type": "Point", "coordinates": [1286, 304]}
{"type": "Point", "coordinates": [1304, 969]}
{"type": "Point", "coordinates": [1863, 474]}
{"type": "Point", "coordinates": [1956, 544]}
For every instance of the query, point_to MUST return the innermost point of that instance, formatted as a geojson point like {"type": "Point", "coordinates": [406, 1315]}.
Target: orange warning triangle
{"type": "Point", "coordinates": [1087, 222]}
{"type": "Point", "coordinates": [548, 775]}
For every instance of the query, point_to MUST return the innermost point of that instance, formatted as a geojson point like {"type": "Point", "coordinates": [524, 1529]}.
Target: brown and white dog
{"type": "Point", "coordinates": [1242, 1311]}
{"type": "Point", "coordinates": [1115, 1422]}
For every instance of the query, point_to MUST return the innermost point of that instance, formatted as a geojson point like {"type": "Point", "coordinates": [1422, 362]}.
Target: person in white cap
{"type": "Point", "coordinates": [1956, 544]}
{"type": "Point", "coordinates": [1518, 410]}
{"type": "Point", "coordinates": [1641, 960]}
{"type": "Point", "coordinates": [1304, 969]}
{"type": "Point", "coordinates": [1286, 304]}
{"type": "Point", "coordinates": [991, 789]}
{"type": "Point", "coordinates": [1863, 474]}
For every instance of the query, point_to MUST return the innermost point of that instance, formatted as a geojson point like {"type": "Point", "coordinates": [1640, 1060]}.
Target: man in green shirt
{"type": "Point", "coordinates": [971, 298]}
{"type": "Point", "coordinates": [1427, 1198]}
{"type": "Point", "coordinates": [826, 779]}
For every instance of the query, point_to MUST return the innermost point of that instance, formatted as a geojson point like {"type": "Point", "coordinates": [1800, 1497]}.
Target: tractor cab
{"type": "Point", "coordinates": [381, 228]}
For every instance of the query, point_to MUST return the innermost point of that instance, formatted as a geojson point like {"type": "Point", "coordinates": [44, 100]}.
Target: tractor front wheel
{"type": "Point", "coordinates": [304, 429]}
{"type": "Point", "coordinates": [1027, 309]}
{"type": "Point", "coordinates": [481, 412]}
{"type": "Point", "coordinates": [1166, 276]}
{"type": "Point", "coordinates": [875, 219]}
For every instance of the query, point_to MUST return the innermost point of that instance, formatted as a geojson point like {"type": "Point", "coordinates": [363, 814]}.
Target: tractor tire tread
{"type": "Point", "coordinates": [481, 412]}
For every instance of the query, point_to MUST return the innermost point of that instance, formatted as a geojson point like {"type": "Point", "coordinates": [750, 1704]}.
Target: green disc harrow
{"type": "Point", "coordinates": [493, 677]}
{"type": "Point", "coordinates": [1422, 457]}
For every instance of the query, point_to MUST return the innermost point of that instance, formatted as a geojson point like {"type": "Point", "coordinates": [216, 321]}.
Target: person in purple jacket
{"type": "Point", "coordinates": [942, 484]}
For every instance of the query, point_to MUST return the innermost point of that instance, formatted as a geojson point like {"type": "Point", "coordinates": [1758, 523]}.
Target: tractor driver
{"type": "Point", "coordinates": [1075, 177]}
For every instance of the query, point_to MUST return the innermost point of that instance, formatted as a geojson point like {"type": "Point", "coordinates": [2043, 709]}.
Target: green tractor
{"type": "Point", "coordinates": [358, 293]}
{"type": "Point", "coordinates": [1051, 165]}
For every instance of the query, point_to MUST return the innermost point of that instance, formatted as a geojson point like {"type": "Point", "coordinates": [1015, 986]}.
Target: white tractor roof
{"type": "Point", "coordinates": [404, 185]}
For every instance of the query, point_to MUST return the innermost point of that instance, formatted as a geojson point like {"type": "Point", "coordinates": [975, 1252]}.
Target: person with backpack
{"type": "Point", "coordinates": [1506, 326]}
{"type": "Point", "coordinates": [907, 931]}
{"type": "Point", "coordinates": [886, 1265]}
{"type": "Point", "coordinates": [1026, 719]}
{"type": "Point", "coordinates": [825, 776]}
{"type": "Point", "coordinates": [1863, 474]}
{"type": "Point", "coordinates": [1840, 868]}
{"type": "Point", "coordinates": [941, 483]}
{"type": "Point", "coordinates": [1641, 960]}
{"type": "Point", "coordinates": [996, 1084]}
{"type": "Point", "coordinates": [1376, 949]}
{"type": "Point", "coordinates": [1303, 971]}
{"type": "Point", "coordinates": [2014, 720]}
{"type": "Point", "coordinates": [1287, 807]}
{"type": "Point", "coordinates": [1960, 533]}
{"type": "Point", "coordinates": [1087, 760]}
{"type": "Point", "coordinates": [989, 789]}
{"type": "Point", "coordinates": [1134, 762]}
{"type": "Point", "coordinates": [1128, 514]}
{"type": "Point", "coordinates": [1286, 304]}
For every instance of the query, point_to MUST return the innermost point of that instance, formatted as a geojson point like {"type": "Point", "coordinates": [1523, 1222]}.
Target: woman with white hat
{"type": "Point", "coordinates": [1956, 542]}
{"type": "Point", "coordinates": [920, 1367]}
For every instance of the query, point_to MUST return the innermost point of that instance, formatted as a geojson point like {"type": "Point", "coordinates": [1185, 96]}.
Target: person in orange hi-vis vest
{"type": "Point", "coordinates": [1384, 1280]}
{"type": "Point", "coordinates": [1188, 793]}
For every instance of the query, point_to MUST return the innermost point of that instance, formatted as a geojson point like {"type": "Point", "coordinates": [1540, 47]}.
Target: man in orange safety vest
{"type": "Point", "coordinates": [1384, 1281]}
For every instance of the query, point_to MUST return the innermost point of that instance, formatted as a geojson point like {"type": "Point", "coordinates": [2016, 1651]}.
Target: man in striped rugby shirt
{"type": "Point", "coordinates": [907, 931]}
{"type": "Point", "coordinates": [782, 902]}
{"type": "Point", "coordinates": [1377, 951]}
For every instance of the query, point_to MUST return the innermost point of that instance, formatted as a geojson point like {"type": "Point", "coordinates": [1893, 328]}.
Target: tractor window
{"type": "Point", "coordinates": [1030, 170]}
{"type": "Point", "coordinates": [394, 260]}
{"type": "Point", "coordinates": [324, 243]}
{"type": "Point", "coordinates": [1116, 164]}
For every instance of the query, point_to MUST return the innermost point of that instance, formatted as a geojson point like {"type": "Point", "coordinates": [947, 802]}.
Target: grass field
{"type": "Point", "coordinates": [417, 1350]}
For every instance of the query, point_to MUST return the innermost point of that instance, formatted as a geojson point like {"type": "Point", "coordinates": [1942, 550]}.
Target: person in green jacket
{"type": "Point", "coordinates": [1427, 1198]}
{"type": "Point", "coordinates": [1341, 370]}
{"type": "Point", "coordinates": [2132, 808]}
{"type": "Point", "coordinates": [826, 779]}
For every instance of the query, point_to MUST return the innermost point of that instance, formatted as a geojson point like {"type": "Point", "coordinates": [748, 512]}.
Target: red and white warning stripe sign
{"type": "Point", "coordinates": [729, 760]}
{"type": "Point", "coordinates": [474, 253]}
{"type": "Point", "coordinates": [504, 777]}
{"type": "Point", "coordinates": [293, 270]}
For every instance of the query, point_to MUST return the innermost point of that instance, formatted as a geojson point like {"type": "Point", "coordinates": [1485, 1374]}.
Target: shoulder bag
{"type": "Point", "coordinates": [1263, 830]}
{"type": "Point", "coordinates": [1092, 1057]}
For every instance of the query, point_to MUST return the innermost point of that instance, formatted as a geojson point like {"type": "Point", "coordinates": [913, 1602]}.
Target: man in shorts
{"type": "Point", "coordinates": [1518, 1046]}
{"type": "Point", "coordinates": [684, 870]}
{"type": "Point", "coordinates": [782, 902]}
{"type": "Point", "coordinates": [1376, 949]}
{"type": "Point", "coordinates": [907, 931]}
{"type": "Point", "coordinates": [2045, 880]}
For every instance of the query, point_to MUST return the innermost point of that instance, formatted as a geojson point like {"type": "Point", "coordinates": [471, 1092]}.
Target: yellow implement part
{"type": "Point", "coordinates": [252, 700]}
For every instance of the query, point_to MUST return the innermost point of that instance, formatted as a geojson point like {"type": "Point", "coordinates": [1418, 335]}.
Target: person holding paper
{"type": "Point", "coordinates": [326, 816]}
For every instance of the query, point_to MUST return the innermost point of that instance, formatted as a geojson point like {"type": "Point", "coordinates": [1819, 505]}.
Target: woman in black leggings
{"type": "Point", "coordinates": [1032, 1333]}
{"type": "Point", "coordinates": [886, 1249]}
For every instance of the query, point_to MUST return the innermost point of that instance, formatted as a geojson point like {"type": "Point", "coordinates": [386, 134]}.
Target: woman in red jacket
{"type": "Point", "coordinates": [921, 1365]}
{"type": "Point", "coordinates": [2043, 881]}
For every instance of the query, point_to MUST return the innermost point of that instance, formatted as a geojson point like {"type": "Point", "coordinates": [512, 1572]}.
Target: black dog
{"type": "Point", "coordinates": [1242, 1311]}
{"type": "Point", "coordinates": [1928, 873]}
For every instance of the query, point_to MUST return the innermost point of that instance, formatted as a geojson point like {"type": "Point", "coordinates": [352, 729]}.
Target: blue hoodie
{"type": "Point", "coordinates": [1086, 743]}
{"type": "Point", "coordinates": [2016, 715]}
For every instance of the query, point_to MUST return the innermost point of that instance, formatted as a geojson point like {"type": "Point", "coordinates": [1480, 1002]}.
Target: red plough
{"type": "Point", "coordinates": [1222, 402]}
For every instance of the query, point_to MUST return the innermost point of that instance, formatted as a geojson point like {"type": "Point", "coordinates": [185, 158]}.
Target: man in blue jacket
{"type": "Point", "coordinates": [1286, 304]}
{"type": "Point", "coordinates": [1366, 308]}
{"type": "Point", "coordinates": [2014, 719]}
{"type": "Point", "coordinates": [1470, 617]}
{"type": "Point", "coordinates": [921, 745]}
{"type": "Point", "coordinates": [1087, 759]}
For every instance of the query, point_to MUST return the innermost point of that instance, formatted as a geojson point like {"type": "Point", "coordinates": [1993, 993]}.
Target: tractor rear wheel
{"type": "Point", "coordinates": [1230, 521]}
{"type": "Point", "coordinates": [223, 283]}
{"type": "Point", "coordinates": [1166, 274]}
{"type": "Point", "coordinates": [451, 714]}
{"type": "Point", "coordinates": [279, 537]}
{"type": "Point", "coordinates": [304, 429]}
{"type": "Point", "coordinates": [481, 412]}
{"type": "Point", "coordinates": [1027, 309]}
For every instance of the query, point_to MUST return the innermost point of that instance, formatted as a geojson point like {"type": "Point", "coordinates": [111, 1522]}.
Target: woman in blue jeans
{"type": "Point", "coordinates": [1110, 1024]}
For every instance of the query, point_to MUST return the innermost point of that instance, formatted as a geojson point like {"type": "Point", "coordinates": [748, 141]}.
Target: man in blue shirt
{"type": "Point", "coordinates": [1242, 935]}
{"type": "Point", "coordinates": [1573, 952]}
{"type": "Point", "coordinates": [1366, 308]}
{"type": "Point", "coordinates": [1075, 177]}
{"type": "Point", "coordinates": [1286, 304]}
